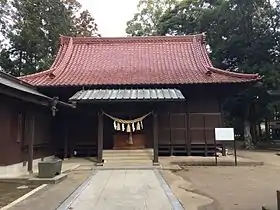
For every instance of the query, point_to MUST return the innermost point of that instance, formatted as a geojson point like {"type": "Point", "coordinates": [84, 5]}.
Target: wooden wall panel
{"type": "Point", "coordinates": [164, 119]}
{"type": "Point", "coordinates": [82, 134]}
{"type": "Point", "coordinates": [5, 134]}
{"type": "Point", "coordinates": [210, 136]}
{"type": "Point", "coordinates": [196, 120]}
{"type": "Point", "coordinates": [13, 149]}
{"type": "Point", "coordinates": [178, 136]}
{"type": "Point", "coordinates": [177, 120]}
{"type": "Point", "coordinates": [212, 121]}
{"type": "Point", "coordinates": [188, 127]}
{"type": "Point", "coordinates": [202, 127]}
{"type": "Point", "coordinates": [203, 106]}
{"type": "Point", "coordinates": [197, 137]}
{"type": "Point", "coordinates": [164, 136]}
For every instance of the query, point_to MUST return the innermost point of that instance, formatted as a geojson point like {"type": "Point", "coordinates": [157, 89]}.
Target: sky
{"type": "Point", "coordinates": [111, 15]}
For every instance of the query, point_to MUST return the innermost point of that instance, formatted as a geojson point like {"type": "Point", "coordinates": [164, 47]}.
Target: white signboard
{"type": "Point", "coordinates": [224, 134]}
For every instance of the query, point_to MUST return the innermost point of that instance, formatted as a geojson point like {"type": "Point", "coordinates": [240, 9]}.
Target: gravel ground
{"type": "Point", "coordinates": [9, 192]}
{"type": "Point", "coordinates": [236, 188]}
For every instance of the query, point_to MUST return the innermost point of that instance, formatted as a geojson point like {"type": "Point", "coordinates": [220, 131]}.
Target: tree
{"type": "Point", "coordinates": [34, 32]}
{"type": "Point", "coordinates": [243, 36]}
{"type": "Point", "coordinates": [85, 25]}
{"type": "Point", "coordinates": [3, 6]}
{"type": "Point", "coordinates": [146, 20]}
{"type": "Point", "coordinates": [4, 17]}
{"type": "Point", "coordinates": [239, 32]}
{"type": "Point", "coordinates": [187, 17]}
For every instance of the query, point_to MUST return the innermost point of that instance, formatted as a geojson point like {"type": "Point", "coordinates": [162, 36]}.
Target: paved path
{"type": "Point", "coordinates": [125, 190]}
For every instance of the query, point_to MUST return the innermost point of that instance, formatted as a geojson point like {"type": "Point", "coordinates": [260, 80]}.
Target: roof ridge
{"type": "Point", "coordinates": [65, 60]}
{"type": "Point", "coordinates": [37, 74]}
{"type": "Point", "coordinates": [200, 58]}
{"type": "Point", "coordinates": [57, 58]}
{"type": "Point", "coordinates": [132, 39]}
{"type": "Point", "coordinates": [234, 74]}
{"type": "Point", "coordinates": [205, 54]}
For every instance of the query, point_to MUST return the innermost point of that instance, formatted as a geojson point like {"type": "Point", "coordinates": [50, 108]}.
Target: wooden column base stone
{"type": "Point", "coordinates": [99, 164]}
{"type": "Point", "coordinates": [156, 163]}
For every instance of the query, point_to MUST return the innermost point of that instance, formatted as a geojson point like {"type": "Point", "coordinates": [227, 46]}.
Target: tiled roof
{"type": "Point", "coordinates": [89, 61]}
{"type": "Point", "coordinates": [128, 94]}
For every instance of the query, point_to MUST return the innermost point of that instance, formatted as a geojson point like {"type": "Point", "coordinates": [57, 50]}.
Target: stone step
{"type": "Point", "coordinates": [144, 151]}
{"type": "Point", "coordinates": [127, 154]}
{"type": "Point", "coordinates": [110, 166]}
{"type": "Point", "coordinates": [142, 157]}
{"type": "Point", "coordinates": [126, 161]}
{"type": "Point", "coordinates": [128, 157]}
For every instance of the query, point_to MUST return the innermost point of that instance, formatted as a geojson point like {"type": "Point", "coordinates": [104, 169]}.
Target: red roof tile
{"type": "Point", "coordinates": [134, 61]}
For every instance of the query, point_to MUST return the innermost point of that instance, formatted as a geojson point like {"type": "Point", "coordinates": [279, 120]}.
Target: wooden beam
{"type": "Point", "coordinates": [31, 146]}
{"type": "Point", "coordinates": [100, 140]}
{"type": "Point", "coordinates": [155, 132]}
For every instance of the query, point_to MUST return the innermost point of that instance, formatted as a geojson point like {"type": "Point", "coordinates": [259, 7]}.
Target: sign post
{"type": "Point", "coordinates": [223, 135]}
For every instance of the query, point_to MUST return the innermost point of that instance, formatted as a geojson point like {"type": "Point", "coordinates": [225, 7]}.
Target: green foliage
{"type": "Point", "coordinates": [85, 25]}
{"type": "Point", "coordinates": [243, 36]}
{"type": "Point", "coordinates": [3, 5]}
{"type": "Point", "coordinates": [145, 21]}
{"type": "Point", "coordinates": [31, 37]}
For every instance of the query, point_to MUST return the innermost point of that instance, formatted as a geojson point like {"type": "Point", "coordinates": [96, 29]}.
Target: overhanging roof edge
{"type": "Point", "coordinates": [155, 94]}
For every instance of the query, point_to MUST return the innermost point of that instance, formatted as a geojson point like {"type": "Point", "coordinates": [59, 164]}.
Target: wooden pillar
{"type": "Point", "coordinates": [155, 132]}
{"type": "Point", "coordinates": [100, 140]}
{"type": "Point", "coordinates": [170, 134]}
{"type": "Point", "coordinates": [31, 146]}
{"type": "Point", "coordinates": [187, 134]}
{"type": "Point", "coordinates": [65, 142]}
{"type": "Point", "coordinates": [205, 137]}
{"type": "Point", "coordinates": [222, 120]}
{"type": "Point", "coordinates": [278, 199]}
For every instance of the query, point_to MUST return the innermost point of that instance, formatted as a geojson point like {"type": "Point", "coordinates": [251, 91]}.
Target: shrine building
{"type": "Point", "coordinates": [137, 93]}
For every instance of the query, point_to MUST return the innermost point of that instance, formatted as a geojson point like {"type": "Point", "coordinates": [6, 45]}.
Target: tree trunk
{"type": "Point", "coordinates": [247, 135]}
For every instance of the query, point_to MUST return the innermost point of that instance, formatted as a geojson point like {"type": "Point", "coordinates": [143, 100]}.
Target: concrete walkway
{"type": "Point", "coordinates": [123, 189]}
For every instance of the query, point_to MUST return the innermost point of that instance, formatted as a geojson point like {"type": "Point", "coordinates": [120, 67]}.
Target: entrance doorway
{"type": "Point", "coordinates": [124, 135]}
{"type": "Point", "coordinates": [130, 140]}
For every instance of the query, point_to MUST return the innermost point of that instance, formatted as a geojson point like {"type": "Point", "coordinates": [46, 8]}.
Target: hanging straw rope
{"type": "Point", "coordinates": [128, 125]}
{"type": "Point", "coordinates": [139, 119]}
